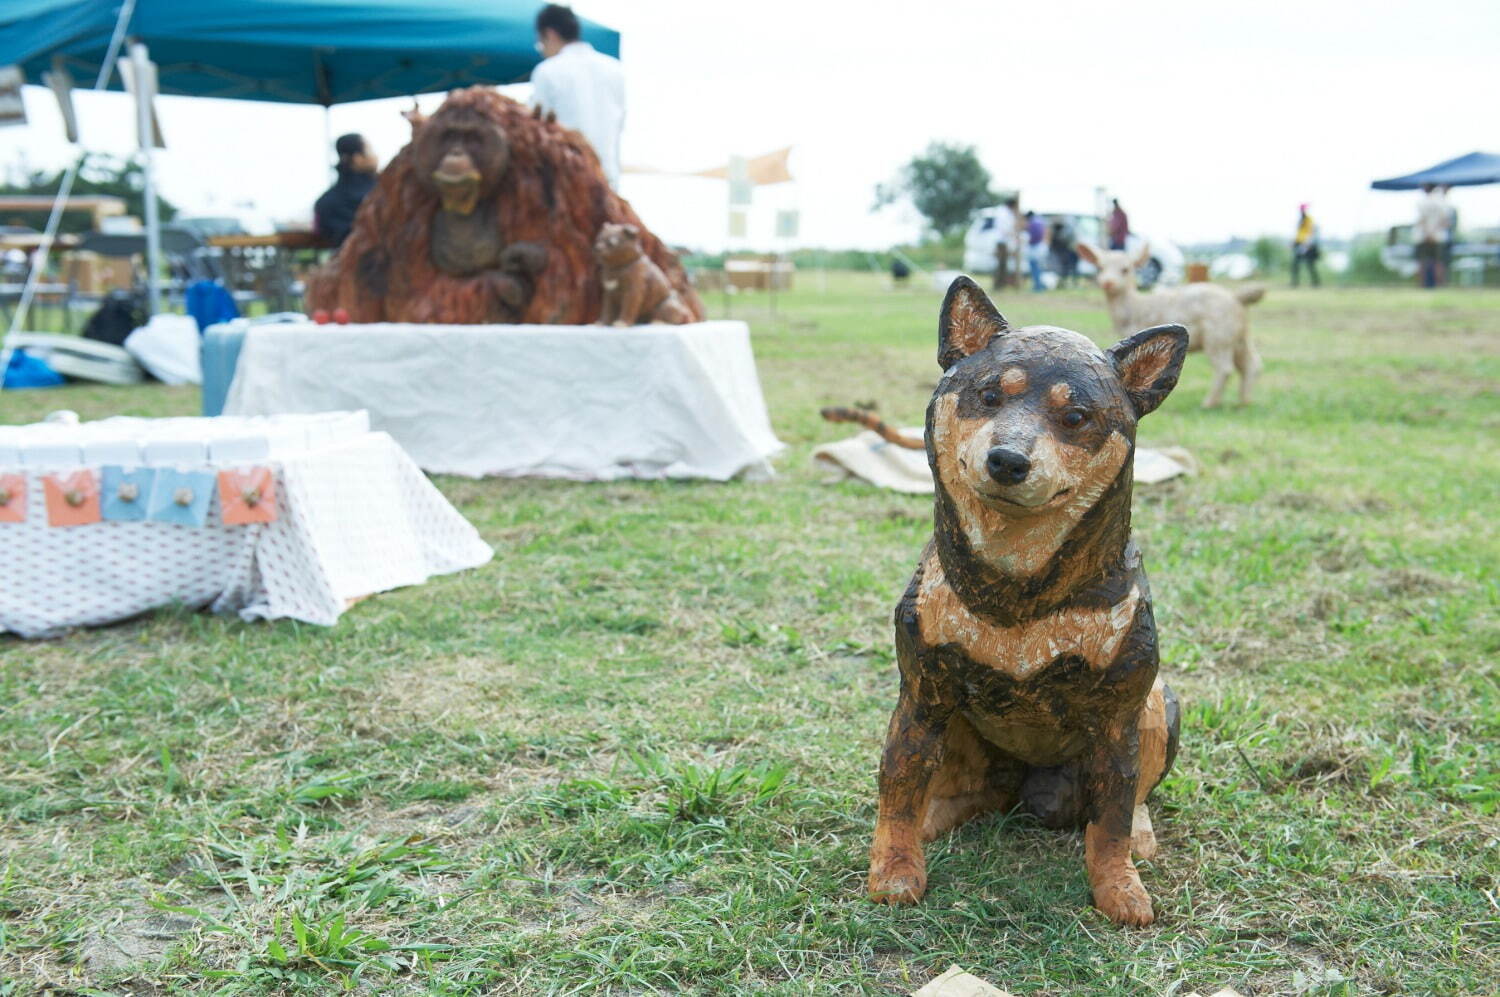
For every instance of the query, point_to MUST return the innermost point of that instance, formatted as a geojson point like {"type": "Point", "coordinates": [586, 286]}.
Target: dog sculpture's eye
{"type": "Point", "coordinates": [1074, 417]}
{"type": "Point", "coordinates": [990, 397]}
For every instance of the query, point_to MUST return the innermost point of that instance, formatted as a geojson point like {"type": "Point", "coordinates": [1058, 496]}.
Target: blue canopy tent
{"type": "Point", "coordinates": [1465, 171]}
{"type": "Point", "coordinates": [297, 51]}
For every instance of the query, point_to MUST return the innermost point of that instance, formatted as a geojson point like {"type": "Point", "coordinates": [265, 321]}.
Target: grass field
{"type": "Point", "coordinates": [636, 752]}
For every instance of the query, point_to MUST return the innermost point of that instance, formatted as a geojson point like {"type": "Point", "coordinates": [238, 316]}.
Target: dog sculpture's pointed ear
{"type": "Point", "coordinates": [967, 322]}
{"type": "Point", "coordinates": [1142, 255]}
{"type": "Point", "coordinates": [1088, 252]}
{"type": "Point", "coordinates": [1149, 363]}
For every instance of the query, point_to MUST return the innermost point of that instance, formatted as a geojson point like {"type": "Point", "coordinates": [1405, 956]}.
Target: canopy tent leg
{"type": "Point", "coordinates": [324, 83]}
{"type": "Point", "coordinates": [333, 171]}
{"type": "Point", "coordinates": [38, 262]}
{"type": "Point", "coordinates": [140, 59]}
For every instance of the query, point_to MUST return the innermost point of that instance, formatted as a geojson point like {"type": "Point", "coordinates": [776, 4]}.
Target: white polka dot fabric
{"type": "Point", "coordinates": [355, 517]}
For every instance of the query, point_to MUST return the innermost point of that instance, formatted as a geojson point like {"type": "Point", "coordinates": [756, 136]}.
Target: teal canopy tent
{"type": "Point", "coordinates": [1465, 171]}
{"type": "Point", "coordinates": [295, 51]}
{"type": "Point", "coordinates": [298, 51]}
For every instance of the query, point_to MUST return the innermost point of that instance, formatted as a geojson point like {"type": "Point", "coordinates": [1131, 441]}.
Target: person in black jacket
{"type": "Point", "coordinates": [333, 214]}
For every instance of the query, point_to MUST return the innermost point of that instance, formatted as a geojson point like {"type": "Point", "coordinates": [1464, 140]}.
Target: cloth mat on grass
{"type": "Point", "coordinates": [869, 458]}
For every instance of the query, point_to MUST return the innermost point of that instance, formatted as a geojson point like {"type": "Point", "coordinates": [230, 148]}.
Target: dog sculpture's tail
{"type": "Point", "coordinates": [1250, 294]}
{"type": "Point", "coordinates": [872, 422]}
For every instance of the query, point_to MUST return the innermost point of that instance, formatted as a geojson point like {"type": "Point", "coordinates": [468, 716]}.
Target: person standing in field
{"type": "Point", "coordinates": [1064, 255]}
{"type": "Point", "coordinates": [1430, 235]}
{"type": "Point", "coordinates": [583, 87]}
{"type": "Point", "coordinates": [1119, 226]}
{"type": "Point", "coordinates": [1305, 249]}
{"type": "Point", "coordinates": [1445, 191]}
{"type": "Point", "coordinates": [1005, 234]}
{"type": "Point", "coordinates": [1036, 248]}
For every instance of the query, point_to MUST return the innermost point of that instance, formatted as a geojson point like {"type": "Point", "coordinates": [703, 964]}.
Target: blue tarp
{"type": "Point", "coordinates": [1465, 171]}
{"type": "Point", "coordinates": [27, 371]}
{"type": "Point", "coordinates": [299, 51]}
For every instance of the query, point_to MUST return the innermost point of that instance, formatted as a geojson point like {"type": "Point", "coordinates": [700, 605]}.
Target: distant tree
{"type": "Point", "coordinates": [947, 183]}
{"type": "Point", "coordinates": [99, 175]}
{"type": "Point", "coordinates": [1366, 265]}
{"type": "Point", "coordinates": [1271, 255]}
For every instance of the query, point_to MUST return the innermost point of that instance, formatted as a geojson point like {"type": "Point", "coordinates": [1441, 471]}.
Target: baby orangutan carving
{"type": "Point", "coordinates": [487, 215]}
{"type": "Point", "coordinates": [635, 289]}
{"type": "Point", "coordinates": [1025, 641]}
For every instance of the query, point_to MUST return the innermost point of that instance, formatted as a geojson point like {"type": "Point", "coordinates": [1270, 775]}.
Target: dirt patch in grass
{"type": "Point", "coordinates": [453, 692]}
{"type": "Point", "coordinates": [1415, 582]}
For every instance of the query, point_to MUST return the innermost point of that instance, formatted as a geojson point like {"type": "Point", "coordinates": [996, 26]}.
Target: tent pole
{"type": "Point", "coordinates": [140, 59]}
{"type": "Point", "coordinates": [325, 97]}
{"type": "Point", "coordinates": [38, 259]}
{"type": "Point", "coordinates": [328, 140]}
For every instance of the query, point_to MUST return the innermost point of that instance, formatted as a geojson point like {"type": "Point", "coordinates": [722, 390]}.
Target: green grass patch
{"type": "Point", "coordinates": [635, 753]}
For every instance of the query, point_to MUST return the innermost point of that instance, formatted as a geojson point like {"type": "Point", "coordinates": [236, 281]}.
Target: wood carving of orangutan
{"type": "Point", "coordinates": [488, 215]}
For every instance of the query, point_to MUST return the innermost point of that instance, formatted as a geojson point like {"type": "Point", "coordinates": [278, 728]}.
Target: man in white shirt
{"type": "Point", "coordinates": [1431, 234]}
{"type": "Point", "coordinates": [583, 87]}
{"type": "Point", "coordinates": [1005, 243]}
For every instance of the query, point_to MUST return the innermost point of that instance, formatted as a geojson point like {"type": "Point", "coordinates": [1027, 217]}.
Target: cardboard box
{"type": "Point", "coordinates": [95, 274]}
{"type": "Point", "coordinates": [763, 273]}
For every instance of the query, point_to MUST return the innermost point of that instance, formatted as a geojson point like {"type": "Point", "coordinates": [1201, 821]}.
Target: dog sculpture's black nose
{"type": "Point", "coordinates": [1007, 466]}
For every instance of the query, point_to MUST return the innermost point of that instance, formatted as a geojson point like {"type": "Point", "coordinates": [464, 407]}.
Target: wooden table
{"type": "Point", "coordinates": [270, 258]}
{"type": "Point", "coordinates": [31, 240]}
{"type": "Point", "coordinates": [276, 240]}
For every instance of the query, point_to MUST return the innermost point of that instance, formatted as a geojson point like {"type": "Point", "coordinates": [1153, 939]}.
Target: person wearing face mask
{"type": "Point", "coordinates": [583, 87]}
{"type": "Point", "coordinates": [333, 214]}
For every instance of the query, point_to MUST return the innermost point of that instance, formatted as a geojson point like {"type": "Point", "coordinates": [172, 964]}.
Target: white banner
{"type": "Point", "coordinates": [127, 73]}
{"type": "Point", "coordinates": [60, 82]}
{"type": "Point", "coordinates": [12, 107]}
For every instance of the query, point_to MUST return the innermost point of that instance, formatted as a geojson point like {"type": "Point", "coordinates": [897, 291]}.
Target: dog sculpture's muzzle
{"type": "Point", "coordinates": [1021, 468]}
{"type": "Point", "coordinates": [1007, 466]}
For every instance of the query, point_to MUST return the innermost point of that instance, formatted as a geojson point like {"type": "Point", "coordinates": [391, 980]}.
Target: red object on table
{"type": "Point", "coordinates": [341, 316]}
{"type": "Point", "coordinates": [320, 316]}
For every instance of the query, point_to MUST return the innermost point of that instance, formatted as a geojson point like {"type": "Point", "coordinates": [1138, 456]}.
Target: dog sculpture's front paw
{"type": "Point", "coordinates": [899, 881]}
{"type": "Point", "coordinates": [1125, 902]}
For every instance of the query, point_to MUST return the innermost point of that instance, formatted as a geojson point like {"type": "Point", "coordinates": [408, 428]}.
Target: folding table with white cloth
{"type": "Point", "coordinates": [591, 403]}
{"type": "Point", "coordinates": [288, 517]}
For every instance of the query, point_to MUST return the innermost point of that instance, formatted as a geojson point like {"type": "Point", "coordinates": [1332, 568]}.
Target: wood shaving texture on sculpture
{"type": "Point", "coordinates": [1026, 642]}
{"type": "Point", "coordinates": [488, 215]}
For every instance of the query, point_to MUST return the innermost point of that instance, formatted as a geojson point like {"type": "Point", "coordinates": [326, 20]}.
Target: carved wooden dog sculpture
{"type": "Point", "coordinates": [635, 289]}
{"type": "Point", "coordinates": [1025, 641]}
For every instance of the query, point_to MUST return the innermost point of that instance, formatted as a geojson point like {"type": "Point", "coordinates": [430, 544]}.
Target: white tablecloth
{"type": "Point", "coordinates": [582, 402]}
{"type": "Point", "coordinates": [356, 516]}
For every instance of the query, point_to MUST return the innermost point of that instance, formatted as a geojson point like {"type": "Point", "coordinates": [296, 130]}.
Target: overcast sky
{"type": "Point", "coordinates": [1207, 120]}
